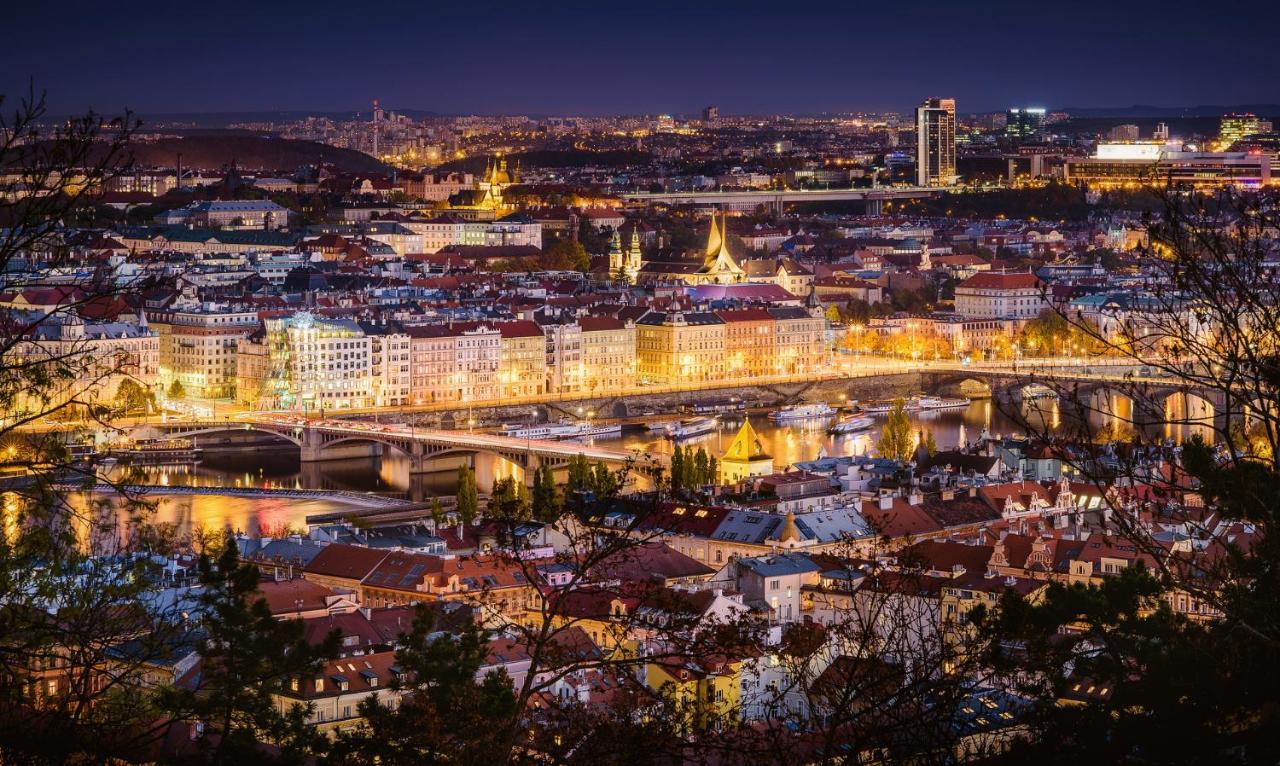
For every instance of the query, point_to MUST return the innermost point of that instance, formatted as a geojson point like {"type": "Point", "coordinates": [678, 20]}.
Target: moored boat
{"type": "Point", "coordinates": [561, 430]}
{"type": "Point", "coordinates": [851, 424]}
{"type": "Point", "coordinates": [943, 402]}
{"type": "Point", "coordinates": [802, 412]}
{"type": "Point", "coordinates": [882, 406]}
{"type": "Point", "coordinates": [691, 427]}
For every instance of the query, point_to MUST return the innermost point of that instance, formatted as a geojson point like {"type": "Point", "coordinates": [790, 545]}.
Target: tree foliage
{"type": "Point", "coordinates": [447, 712]}
{"type": "Point", "coordinates": [895, 436]}
{"type": "Point", "coordinates": [565, 255]}
{"type": "Point", "coordinates": [132, 397]}
{"type": "Point", "coordinates": [468, 495]}
{"type": "Point", "coordinates": [1173, 658]}
{"type": "Point", "coordinates": [246, 656]}
{"type": "Point", "coordinates": [544, 505]}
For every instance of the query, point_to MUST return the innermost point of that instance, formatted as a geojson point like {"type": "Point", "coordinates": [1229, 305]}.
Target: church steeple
{"type": "Point", "coordinates": [714, 240]}
{"type": "Point", "coordinates": [631, 264]}
{"type": "Point", "coordinates": [634, 251]}
{"type": "Point", "coordinates": [721, 267]}
{"type": "Point", "coordinates": [615, 253]}
{"type": "Point", "coordinates": [813, 303]}
{"type": "Point", "coordinates": [790, 532]}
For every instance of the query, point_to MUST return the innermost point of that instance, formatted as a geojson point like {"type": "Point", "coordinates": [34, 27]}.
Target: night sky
{"type": "Point", "coordinates": [548, 57]}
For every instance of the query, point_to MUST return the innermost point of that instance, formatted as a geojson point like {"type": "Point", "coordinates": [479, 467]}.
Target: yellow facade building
{"type": "Point", "coordinates": [674, 347]}
{"type": "Point", "coordinates": [705, 693]}
{"type": "Point", "coordinates": [748, 343]}
{"type": "Point", "coordinates": [522, 371]}
{"type": "Point", "coordinates": [608, 354]}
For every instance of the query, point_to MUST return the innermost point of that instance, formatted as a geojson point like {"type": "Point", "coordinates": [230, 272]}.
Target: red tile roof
{"type": "Point", "coordinates": [990, 280]}
{"type": "Point", "coordinates": [288, 596]}
{"type": "Point", "coordinates": [346, 561]}
{"type": "Point", "coordinates": [899, 519]}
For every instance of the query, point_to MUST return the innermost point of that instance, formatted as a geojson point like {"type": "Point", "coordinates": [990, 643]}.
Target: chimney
{"type": "Point", "coordinates": [886, 502]}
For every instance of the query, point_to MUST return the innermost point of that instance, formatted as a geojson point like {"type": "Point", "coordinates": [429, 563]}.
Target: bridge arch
{"type": "Point", "coordinates": [971, 386]}
{"type": "Point", "coordinates": [1188, 414]}
{"type": "Point", "coordinates": [208, 431]}
{"type": "Point", "coordinates": [404, 448]}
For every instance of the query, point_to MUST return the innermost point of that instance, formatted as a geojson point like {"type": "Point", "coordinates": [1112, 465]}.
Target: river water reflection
{"type": "Point", "coordinates": [390, 474]}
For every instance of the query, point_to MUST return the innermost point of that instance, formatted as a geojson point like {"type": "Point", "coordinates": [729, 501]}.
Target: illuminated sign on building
{"type": "Point", "coordinates": [1130, 151]}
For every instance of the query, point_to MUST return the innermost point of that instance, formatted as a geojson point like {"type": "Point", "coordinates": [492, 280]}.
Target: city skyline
{"type": "Point", "coordinates": [599, 384]}
{"type": "Point", "coordinates": [606, 61]}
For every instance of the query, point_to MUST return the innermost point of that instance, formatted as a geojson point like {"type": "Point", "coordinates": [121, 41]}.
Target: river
{"type": "Point", "coordinates": [389, 474]}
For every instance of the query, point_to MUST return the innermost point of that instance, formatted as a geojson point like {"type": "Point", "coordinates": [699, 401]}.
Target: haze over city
{"type": "Point", "coordinates": [592, 58]}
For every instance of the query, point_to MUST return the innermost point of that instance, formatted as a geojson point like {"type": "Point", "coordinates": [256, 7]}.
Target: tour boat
{"type": "Point", "coordinates": [590, 432]}
{"type": "Point", "coordinates": [691, 427]}
{"type": "Point", "coordinates": [802, 412]}
{"type": "Point", "coordinates": [882, 406]}
{"type": "Point", "coordinates": [943, 402]}
{"type": "Point", "coordinates": [541, 431]}
{"type": "Point", "coordinates": [851, 424]}
{"type": "Point", "coordinates": [561, 430]}
{"type": "Point", "coordinates": [163, 451]}
{"type": "Point", "coordinates": [1038, 391]}
{"type": "Point", "coordinates": [916, 404]}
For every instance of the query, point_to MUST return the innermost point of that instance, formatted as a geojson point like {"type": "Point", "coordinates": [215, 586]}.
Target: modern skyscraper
{"type": "Point", "coordinates": [1236, 126]}
{"type": "Point", "coordinates": [1025, 124]}
{"type": "Point", "coordinates": [1123, 133]}
{"type": "Point", "coordinates": [710, 114]}
{"type": "Point", "coordinates": [936, 142]}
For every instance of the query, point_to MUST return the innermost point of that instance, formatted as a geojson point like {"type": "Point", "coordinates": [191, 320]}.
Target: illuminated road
{"type": "Point", "coordinates": [298, 429]}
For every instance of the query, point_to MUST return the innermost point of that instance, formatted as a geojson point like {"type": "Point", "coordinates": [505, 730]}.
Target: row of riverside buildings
{"type": "Point", "coordinates": [306, 359]}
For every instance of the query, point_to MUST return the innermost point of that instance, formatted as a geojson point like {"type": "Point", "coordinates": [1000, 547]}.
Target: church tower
{"type": "Point", "coordinates": [631, 266]}
{"type": "Point", "coordinates": [745, 457]}
{"type": "Point", "coordinates": [813, 304]}
{"type": "Point", "coordinates": [615, 254]}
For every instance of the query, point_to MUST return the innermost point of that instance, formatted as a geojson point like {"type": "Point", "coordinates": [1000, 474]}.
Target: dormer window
{"type": "Point", "coordinates": [319, 685]}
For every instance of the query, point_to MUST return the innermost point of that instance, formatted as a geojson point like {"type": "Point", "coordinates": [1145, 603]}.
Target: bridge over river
{"type": "Point", "coordinates": [1132, 391]}
{"type": "Point", "coordinates": [428, 450]}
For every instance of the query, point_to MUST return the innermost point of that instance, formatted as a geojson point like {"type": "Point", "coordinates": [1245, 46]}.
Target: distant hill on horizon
{"type": "Point", "coordinates": [223, 119]}
{"type": "Point", "coordinates": [1147, 110]}
{"type": "Point", "coordinates": [251, 153]}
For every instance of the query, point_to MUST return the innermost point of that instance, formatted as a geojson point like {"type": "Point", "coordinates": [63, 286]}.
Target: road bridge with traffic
{"type": "Point", "coordinates": [750, 199]}
{"type": "Point", "coordinates": [319, 441]}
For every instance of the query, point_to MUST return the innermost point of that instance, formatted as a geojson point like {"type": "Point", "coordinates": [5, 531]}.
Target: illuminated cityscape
{"type": "Point", "coordinates": [557, 388]}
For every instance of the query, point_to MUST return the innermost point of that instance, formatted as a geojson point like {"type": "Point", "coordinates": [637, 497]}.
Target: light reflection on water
{"type": "Point", "coordinates": [389, 474]}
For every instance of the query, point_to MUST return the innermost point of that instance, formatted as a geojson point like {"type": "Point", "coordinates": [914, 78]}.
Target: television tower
{"type": "Point", "coordinates": [377, 118]}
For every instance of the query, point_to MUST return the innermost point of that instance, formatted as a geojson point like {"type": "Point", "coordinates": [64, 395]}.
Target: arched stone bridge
{"type": "Point", "coordinates": [1091, 384]}
{"type": "Point", "coordinates": [330, 440]}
